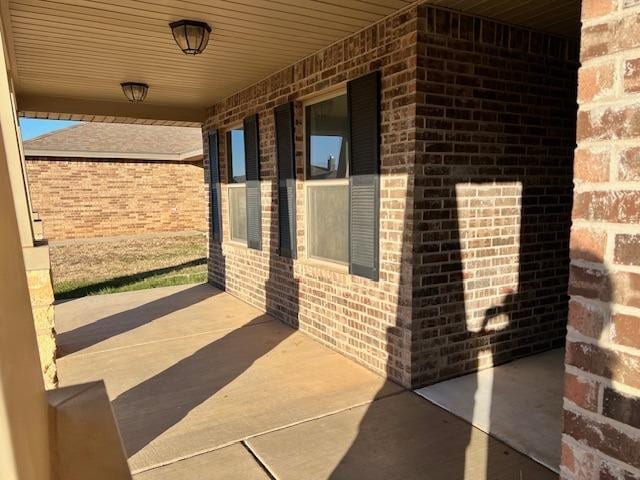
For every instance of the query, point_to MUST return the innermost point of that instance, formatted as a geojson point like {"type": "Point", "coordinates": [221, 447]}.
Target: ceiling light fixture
{"type": "Point", "coordinates": [134, 91]}
{"type": "Point", "coordinates": [191, 36]}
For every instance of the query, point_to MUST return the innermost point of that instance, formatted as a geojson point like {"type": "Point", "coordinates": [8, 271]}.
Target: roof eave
{"type": "Point", "coordinates": [173, 157]}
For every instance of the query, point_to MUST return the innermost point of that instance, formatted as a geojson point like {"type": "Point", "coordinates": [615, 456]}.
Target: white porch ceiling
{"type": "Point", "coordinates": [69, 56]}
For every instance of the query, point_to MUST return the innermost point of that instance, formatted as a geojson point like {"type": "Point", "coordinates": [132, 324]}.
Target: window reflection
{"type": "Point", "coordinates": [327, 145]}
{"type": "Point", "coordinates": [237, 174]}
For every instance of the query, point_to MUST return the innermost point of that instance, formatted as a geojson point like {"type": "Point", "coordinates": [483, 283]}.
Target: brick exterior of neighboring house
{"type": "Point", "coordinates": [602, 384]}
{"type": "Point", "coordinates": [81, 196]}
{"type": "Point", "coordinates": [478, 129]}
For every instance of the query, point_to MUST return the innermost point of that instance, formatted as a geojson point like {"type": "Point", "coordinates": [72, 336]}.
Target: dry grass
{"type": "Point", "coordinates": [107, 267]}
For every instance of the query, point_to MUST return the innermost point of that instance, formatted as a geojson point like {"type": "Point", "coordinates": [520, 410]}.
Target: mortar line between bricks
{"type": "Point", "coordinates": [599, 418]}
{"type": "Point", "coordinates": [597, 452]}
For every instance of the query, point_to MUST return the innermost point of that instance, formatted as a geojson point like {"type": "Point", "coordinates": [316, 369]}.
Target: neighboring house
{"type": "Point", "coordinates": [110, 179]}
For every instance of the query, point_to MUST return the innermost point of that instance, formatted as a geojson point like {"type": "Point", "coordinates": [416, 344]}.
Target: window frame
{"type": "Point", "coordinates": [342, 267]}
{"type": "Point", "coordinates": [232, 183]}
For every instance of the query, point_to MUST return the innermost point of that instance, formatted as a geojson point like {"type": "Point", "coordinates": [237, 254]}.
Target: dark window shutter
{"type": "Point", "coordinates": [285, 150]}
{"type": "Point", "coordinates": [214, 183]}
{"type": "Point", "coordinates": [363, 95]}
{"type": "Point", "coordinates": [252, 159]}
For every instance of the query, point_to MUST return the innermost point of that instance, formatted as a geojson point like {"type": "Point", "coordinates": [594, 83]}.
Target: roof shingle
{"type": "Point", "coordinates": [118, 138]}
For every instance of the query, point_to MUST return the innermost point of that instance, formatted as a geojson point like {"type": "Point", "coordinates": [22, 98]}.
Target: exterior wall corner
{"type": "Point", "coordinates": [601, 434]}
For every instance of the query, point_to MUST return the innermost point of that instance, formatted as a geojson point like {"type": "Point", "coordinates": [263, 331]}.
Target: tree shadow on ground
{"type": "Point", "coordinates": [150, 408]}
{"type": "Point", "coordinates": [113, 325]}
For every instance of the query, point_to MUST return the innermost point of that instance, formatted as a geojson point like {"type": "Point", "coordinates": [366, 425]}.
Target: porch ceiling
{"type": "Point", "coordinates": [69, 56]}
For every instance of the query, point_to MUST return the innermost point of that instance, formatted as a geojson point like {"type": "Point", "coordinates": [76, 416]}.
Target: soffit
{"type": "Point", "coordinates": [86, 48]}
{"type": "Point", "coordinates": [81, 50]}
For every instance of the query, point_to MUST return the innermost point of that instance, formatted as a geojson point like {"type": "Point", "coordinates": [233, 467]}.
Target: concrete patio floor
{"type": "Point", "coordinates": [205, 386]}
{"type": "Point", "coordinates": [519, 402]}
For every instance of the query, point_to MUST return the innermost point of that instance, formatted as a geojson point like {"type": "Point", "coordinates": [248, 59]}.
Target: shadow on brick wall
{"type": "Point", "coordinates": [411, 438]}
{"type": "Point", "coordinates": [282, 290]}
{"type": "Point", "coordinates": [526, 315]}
{"type": "Point", "coordinates": [588, 358]}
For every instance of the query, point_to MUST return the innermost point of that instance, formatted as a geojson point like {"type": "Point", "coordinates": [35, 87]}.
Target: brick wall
{"type": "Point", "coordinates": [494, 108]}
{"type": "Point", "coordinates": [83, 198]}
{"type": "Point", "coordinates": [602, 383]}
{"type": "Point", "coordinates": [493, 190]}
{"type": "Point", "coordinates": [365, 320]}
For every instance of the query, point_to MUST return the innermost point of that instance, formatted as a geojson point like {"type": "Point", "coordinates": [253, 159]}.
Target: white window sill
{"type": "Point", "coordinates": [325, 265]}
{"type": "Point", "coordinates": [235, 243]}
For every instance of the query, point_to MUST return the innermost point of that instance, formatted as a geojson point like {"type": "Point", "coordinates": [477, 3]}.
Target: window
{"type": "Point", "coordinates": [327, 187]}
{"type": "Point", "coordinates": [237, 168]}
{"type": "Point", "coordinates": [237, 189]}
{"type": "Point", "coordinates": [328, 222]}
{"type": "Point", "coordinates": [238, 212]}
{"type": "Point", "coordinates": [326, 137]}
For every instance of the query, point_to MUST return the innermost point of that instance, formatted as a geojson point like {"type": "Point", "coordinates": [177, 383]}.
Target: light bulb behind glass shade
{"type": "Point", "coordinates": [134, 91]}
{"type": "Point", "coordinates": [191, 36]}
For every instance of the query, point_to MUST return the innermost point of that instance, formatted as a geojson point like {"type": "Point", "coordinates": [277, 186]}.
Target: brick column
{"type": "Point", "coordinates": [602, 388]}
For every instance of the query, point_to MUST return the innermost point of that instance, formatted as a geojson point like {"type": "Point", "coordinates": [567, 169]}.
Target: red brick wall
{"type": "Point", "coordinates": [83, 198]}
{"type": "Point", "coordinates": [496, 132]}
{"type": "Point", "coordinates": [365, 320]}
{"type": "Point", "coordinates": [602, 388]}
{"type": "Point", "coordinates": [495, 139]}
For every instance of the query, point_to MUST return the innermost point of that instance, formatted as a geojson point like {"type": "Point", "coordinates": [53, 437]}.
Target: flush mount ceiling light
{"type": "Point", "coordinates": [191, 36]}
{"type": "Point", "coordinates": [134, 91]}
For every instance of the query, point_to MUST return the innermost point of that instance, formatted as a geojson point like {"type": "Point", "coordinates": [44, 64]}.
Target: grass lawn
{"type": "Point", "coordinates": [118, 266]}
